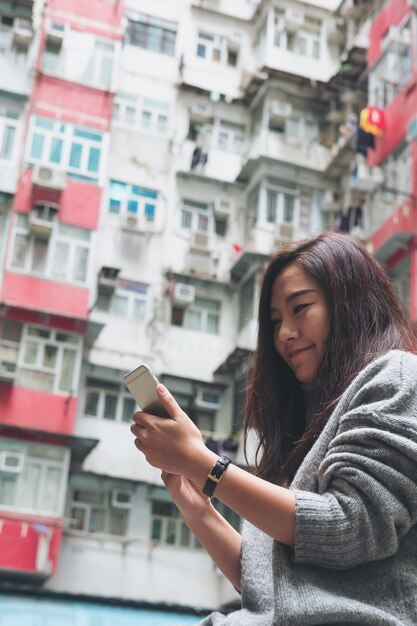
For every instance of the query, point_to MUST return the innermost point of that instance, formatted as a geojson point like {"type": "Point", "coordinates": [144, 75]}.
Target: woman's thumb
{"type": "Point", "coordinates": [171, 405]}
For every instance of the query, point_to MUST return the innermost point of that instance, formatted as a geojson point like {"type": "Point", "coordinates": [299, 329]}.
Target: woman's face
{"type": "Point", "coordinates": [300, 318]}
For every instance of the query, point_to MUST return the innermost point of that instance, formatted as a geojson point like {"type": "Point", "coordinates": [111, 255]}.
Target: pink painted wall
{"type": "Point", "coordinates": [392, 14]}
{"type": "Point", "coordinates": [79, 202]}
{"type": "Point", "coordinates": [41, 410]}
{"type": "Point", "coordinates": [19, 542]}
{"type": "Point", "coordinates": [44, 295]}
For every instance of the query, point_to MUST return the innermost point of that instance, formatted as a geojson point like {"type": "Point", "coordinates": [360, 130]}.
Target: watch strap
{"type": "Point", "coordinates": [215, 475]}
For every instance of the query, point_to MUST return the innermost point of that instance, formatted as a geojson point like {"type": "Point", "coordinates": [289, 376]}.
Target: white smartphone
{"type": "Point", "coordinates": [141, 383]}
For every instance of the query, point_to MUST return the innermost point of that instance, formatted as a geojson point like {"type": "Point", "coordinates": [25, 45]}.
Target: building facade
{"type": "Point", "coordinates": [152, 156]}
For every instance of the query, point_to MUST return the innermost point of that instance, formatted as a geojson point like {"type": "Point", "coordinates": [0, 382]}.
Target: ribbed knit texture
{"type": "Point", "coordinates": [355, 554]}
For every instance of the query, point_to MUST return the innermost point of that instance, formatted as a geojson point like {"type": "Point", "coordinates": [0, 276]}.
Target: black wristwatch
{"type": "Point", "coordinates": [215, 475]}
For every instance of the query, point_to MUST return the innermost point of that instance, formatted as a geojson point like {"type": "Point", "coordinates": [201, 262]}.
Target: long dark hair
{"type": "Point", "coordinates": [366, 319]}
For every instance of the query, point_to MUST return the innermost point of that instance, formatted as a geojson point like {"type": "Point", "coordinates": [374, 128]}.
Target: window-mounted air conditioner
{"type": "Point", "coordinates": [55, 32]}
{"type": "Point", "coordinates": [183, 294]}
{"type": "Point", "coordinates": [201, 110]}
{"type": "Point", "coordinates": [131, 223]}
{"type": "Point", "coordinates": [207, 399]}
{"type": "Point", "coordinates": [200, 241]}
{"type": "Point", "coordinates": [293, 19]}
{"type": "Point", "coordinates": [108, 278]}
{"type": "Point", "coordinates": [121, 499]}
{"type": "Point", "coordinates": [284, 232]}
{"type": "Point", "coordinates": [48, 177]}
{"type": "Point", "coordinates": [11, 462]}
{"type": "Point", "coordinates": [280, 110]}
{"type": "Point", "coordinates": [42, 218]}
{"type": "Point", "coordinates": [22, 31]}
{"type": "Point", "coordinates": [223, 206]}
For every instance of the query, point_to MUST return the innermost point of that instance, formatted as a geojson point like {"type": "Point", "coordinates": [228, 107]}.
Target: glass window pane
{"type": "Point", "coordinates": [30, 352]}
{"type": "Point", "coordinates": [78, 518]}
{"type": "Point", "coordinates": [40, 251]}
{"type": "Point", "coordinates": [56, 151]}
{"type": "Point", "coordinates": [288, 208]}
{"type": "Point", "coordinates": [49, 356]}
{"type": "Point", "coordinates": [132, 206]}
{"type": "Point", "coordinates": [67, 374]}
{"type": "Point", "coordinates": [75, 155]}
{"type": "Point", "coordinates": [103, 301]}
{"type": "Point", "coordinates": [156, 531]}
{"type": "Point", "coordinates": [8, 487]}
{"type": "Point", "coordinates": [7, 143]}
{"type": "Point", "coordinates": [20, 250]}
{"type": "Point", "coordinates": [271, 206]}
{"type": "Point", "coordinates": [212, 324]}
{"type": "Point", "coordinates": [36, 149]}
{"type": "Point", "coordinates": [110, 407]}
{"type": "Point", "coordinates": [80, 264]}
{"type": "Point", "coordinates": [171, 531]}
{"type": "Point", "coordinates": [97, 521]}
{"type": "Point", "coordinates": [51, 489]}
{"type": "Point", "coordinates": [186, 219]}
{"type": "Point", "coordinates": [91, 403]}
{"type": "Point", "coordinates": [146, 119]}
{"type": "Point", "coordinates": [118, 522]}
{"type": "Point", "coordinates": [106, 69]}
{"type": "Point", "coordinates": [30, 485]}
{"type": "Point", "coordinates": [119, 305]}
{"type": "Point", "coordinates": [93, 160]}
{"type": "Point", "coordinates": [193, 320]}
{"type": "Point", "coordinates": [139, 307]}
{"type": "Point", "coordinates": [129, 407]}
{"type": "Point", "coordinates": [150, 212]}
{"type": "Point", "coordinates": [60, 261]}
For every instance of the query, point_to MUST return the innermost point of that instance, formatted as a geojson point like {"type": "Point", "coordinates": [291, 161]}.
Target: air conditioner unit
{"type": "Point", "coordinates": [332, 201]}
{"type": "Point", "coordinates": [200, 241]}
{"type": "Point", "coordinates": [284, 232]}
{"type": "Point", "coordinates": [201, 110]}
{"type": "Point", "coordinates": [280, 110]}
{"type": "Point", "coordinates": [7, 372]}
{"type": "Point", "coordinates": [22, 31]}
{"type": "Point", "coordinates": [183, 294]}
{"type": "Point", "coordinates": [55, 32]}
{"type": "Point", "coordinates": [48, 178]}
{"type": "Point", "coordinates": [42, 219]}
{"type": "Point", "coordinates": [293, 19]}
{"type": "Point", "coordinates": [11, 462]}
{"type": "Point", "coordinates": [108, 278]}
{"type": "Point", "coordinates": [121, 499]}
{"type": "Point", "coordinates": [207, 399]}
{"type": "Point", "coordinates": [223, 206]}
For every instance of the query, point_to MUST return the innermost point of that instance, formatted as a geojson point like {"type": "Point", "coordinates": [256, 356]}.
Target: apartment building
{"type": "Point", "coordinates": [152, 156]}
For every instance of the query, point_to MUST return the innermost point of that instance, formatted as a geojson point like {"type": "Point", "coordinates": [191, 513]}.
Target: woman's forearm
{"type": "Point", "coordinates": [221, 541]}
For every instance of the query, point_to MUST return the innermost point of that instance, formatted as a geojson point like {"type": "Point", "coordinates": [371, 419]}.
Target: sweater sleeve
{"type": "Point", "coordinates": [367, 481]}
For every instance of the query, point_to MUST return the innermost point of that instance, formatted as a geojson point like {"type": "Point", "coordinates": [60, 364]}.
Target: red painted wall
{"type": "Point", "coordinates": [392, 14]}
{"type": "Point", "coordinates": [44, 295]}
{"type": "Point", "coordinates": [19, 542]}
{"type": "Point", "coordinates": [69, 324]}
{"type": "Point", "coordinates": [79, 203]}
{"type": "Point", "coordinates": [403, 220]}
{"type": "Point", "coordinates": [96, 10]}
{"type": "Point", "coordinates": [81, 104]}
{"type": "Point", "coordinates": [41, 410]}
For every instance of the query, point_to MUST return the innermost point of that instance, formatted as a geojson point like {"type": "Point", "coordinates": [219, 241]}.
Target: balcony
{"type": "Point", "coordinates": [219, 164]}
{"type": "Point", "coordinates": [29, 546]}
{"type": "Point", "coordinates": [15, 62]}
{"type": "Point", "coordinates": [396, 233]}
{"type": "Point", "coordinates": [270, 145]}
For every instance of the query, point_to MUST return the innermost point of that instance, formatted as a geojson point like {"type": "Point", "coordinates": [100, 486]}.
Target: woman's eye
{"type": "Point", "coordinates": [275, 324]}
{"type": "Point", "coordinates": [300, 307]}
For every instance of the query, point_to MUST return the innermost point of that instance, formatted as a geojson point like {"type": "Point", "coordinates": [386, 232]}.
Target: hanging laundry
{"type": "Point", "coordinates": [372, 120]}
{"type": "Point", "coordinates": [352, 218]}
{"type": "Point", "coordinates": [364, 141]}
{"type": "Point", "coordinates": [199, 158]}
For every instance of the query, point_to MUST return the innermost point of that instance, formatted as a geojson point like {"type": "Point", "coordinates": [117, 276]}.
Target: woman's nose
{"type": "Point", "coordinates": [288, 330]}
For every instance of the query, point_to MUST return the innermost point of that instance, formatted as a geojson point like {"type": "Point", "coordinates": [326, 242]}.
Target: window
{"type": "Point", "coordinates": [203, 315]}
{"type": "Point", "coordinates": [301, 129]}
{"type": "Point", "coordinates": [9, 125]}
{"type": "Point", "coordinates": [399, 171]}
{"type": "Point", "coordinates": [168, 527]}
{"type": "Point", "coordinates": [195, 216]}
{"type": "Point", "coordinates": [126, 199]}
{"type": "Point", "coordinates": [152, 33]}
{"type": "Point", "coordinates": [145, 114]}
{"type": "Point", "coordinates": [230, 137]}
{"type": "Point", "coordinates": [94, 511]}
{"type": "Point", "coordinates": [394, 70]}
{"type": "Point", "coordinates": [49, 360]}
{"type": "Point", "coordinates": [216, 49]}
{"type": "Point", "coordinates": [280, 207]}
{"type": "Point", "coordinates": [105, 400]}
{"type": "Point", "coordinates": [76, 150]}
{"type": "Point", "coordinates": [305, 41]}
{"type": "Point", "coordinates": [62, 256]}
{"type": "Point", "coordinates": [10, 335]}
{"type": "Point", "coordinates": [129, 300]}
{"type": "Point", "coordinates": [38, 481]}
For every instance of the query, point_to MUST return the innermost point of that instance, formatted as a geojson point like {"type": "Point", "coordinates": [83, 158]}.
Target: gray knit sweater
{"type": "Point", "coordinates": [355, 554]}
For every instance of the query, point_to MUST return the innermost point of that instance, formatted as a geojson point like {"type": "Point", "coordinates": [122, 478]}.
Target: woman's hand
{"type": "Point", "coordinates": [192, 503]}
{"type": "Point", "coordinates": [174, 445]}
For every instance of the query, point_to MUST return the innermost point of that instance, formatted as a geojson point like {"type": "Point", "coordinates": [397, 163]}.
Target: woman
{"type": "Point", "coordinates": [330, 534]}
